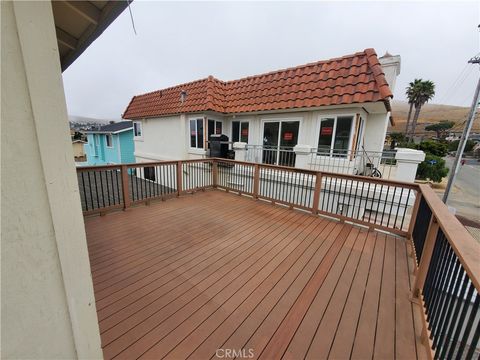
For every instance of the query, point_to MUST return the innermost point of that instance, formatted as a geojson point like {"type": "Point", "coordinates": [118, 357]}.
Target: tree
{"type": "Point", "coordinates": [453, 145]}
{"type": "Point", "coordinates": [423, 92]}
{"type": "Point", "coordinates": [432, 168]}
{"type": "Point", "coordinates": [431, 147]}
{"type": "Point", "coordinates": [412, 93]}
{"type": "Point", "coordinates": [440, 128]}
{"type": "Point", "coordinates": [395, 139]}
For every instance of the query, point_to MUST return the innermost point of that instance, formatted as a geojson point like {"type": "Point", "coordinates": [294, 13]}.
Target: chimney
{"type": "Point", "coordinates": [391, 68]}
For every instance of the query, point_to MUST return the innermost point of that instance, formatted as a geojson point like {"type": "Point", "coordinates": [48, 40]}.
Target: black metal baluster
{"type": "Point", "coordinates": [468, 327]}
{"type": "Point", "coordinates": [454, 284]}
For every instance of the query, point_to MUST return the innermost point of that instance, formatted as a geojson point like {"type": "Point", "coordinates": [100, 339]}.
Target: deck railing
{"type": "Point", "coordinates": [447, 266]}
{"type": "Point", "coordinates": [447, 282]}
{"type": "Point", "coordinates": [380, 164]}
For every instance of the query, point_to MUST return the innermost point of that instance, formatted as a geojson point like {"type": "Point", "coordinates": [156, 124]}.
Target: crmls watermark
{"type": "Point", "coordinates": [234, 353]}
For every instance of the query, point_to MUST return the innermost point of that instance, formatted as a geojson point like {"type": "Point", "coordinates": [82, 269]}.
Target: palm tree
{"type": "Point", "coordinates": [412, 93]}
{"type": "Point", "coordinates": [425, 92]}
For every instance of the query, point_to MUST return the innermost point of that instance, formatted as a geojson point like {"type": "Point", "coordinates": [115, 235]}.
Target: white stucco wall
{"type": "Point", "coordinates": [162, 139]}
{"type": "Point", "coordinates": [168, 138]}
{"type": "Point", "coordinates": [375, 131]}
{"type": "Point", "coordinates": [47, 303]}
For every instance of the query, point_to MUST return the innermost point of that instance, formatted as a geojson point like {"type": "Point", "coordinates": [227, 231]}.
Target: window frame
{"type": "Point", "coordinates": [322, 117]}
{"type": "Point", "coordinates": [196, 147]}
{"type": "Point", "coordinates": [240, 122]}
{"type": "Point", "coordinates": [111, 141]}
{"type": "Point", "coordinates": [137, 123]}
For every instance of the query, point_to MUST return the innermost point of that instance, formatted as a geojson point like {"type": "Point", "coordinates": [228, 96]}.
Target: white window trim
{"type": "Point", "coordinates": [196, 137]}
{"type": "Point", "coordinates": [321, 117]}
{"type": "Point", "coordinates": [111, 141]}
{"type": "Point", "coordinates": [135, 137]}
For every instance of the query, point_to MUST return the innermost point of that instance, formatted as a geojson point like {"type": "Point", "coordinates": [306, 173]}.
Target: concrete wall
{"type": "Point", "coordinates": [48, 307]}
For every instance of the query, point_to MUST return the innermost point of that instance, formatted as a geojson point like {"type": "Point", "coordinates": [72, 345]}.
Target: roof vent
{"type": "Point", "coordinates": [183, 96]}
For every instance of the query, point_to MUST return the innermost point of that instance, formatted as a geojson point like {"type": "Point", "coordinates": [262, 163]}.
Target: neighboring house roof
{"type": "Point", "coordinates": [113, 128]}
{"type": "Point", "coordinates": [351, 79]}
{"type": "Point", "coordinates": [78, 141]}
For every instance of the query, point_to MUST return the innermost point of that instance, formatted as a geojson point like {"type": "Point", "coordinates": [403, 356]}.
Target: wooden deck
{"type": "Point", "coordinates": [207, 274]}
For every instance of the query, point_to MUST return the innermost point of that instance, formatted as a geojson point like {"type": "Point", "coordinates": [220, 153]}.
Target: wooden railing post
{"type": "Point", "coordinates": [316, 193]}
{"type": "Point", "coordinates": [427, 252]}
{"type": "Point", "coordinates": [215, 173]}
{"type": "Point", "coordinates": [179, 177]}
{"type": "Point", "coordinates": [126, 193]}
{"type": "Point", "coordinates": [413, 218]}
{"type": "Point", "coordinates": [256, 180]}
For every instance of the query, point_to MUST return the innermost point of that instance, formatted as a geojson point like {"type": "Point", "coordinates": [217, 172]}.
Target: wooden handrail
{"type": "Point", "coordinates": [255, 191]}
{"type": "Point", "coordinates": [465, 246]}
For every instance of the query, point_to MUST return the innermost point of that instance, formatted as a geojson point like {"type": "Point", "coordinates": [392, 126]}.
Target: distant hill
{"type": "Point", "coordinates": [82, 123]}
{"type": "Point", "coordinates": [430, 114]}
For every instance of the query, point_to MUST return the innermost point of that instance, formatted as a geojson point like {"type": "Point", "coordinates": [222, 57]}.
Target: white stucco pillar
{"type": "Point", "coordinates": [302, 156]}
{"type": "Point", "coordinates": [240, 149]}
{"type": "Point", "coordinates": [407, 163]}
{"type": "Point", "coordinates": [48, 305]}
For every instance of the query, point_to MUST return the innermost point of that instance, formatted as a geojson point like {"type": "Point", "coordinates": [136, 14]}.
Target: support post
{"type": "Point", "coordinates": [179, 177]}
{"type": "Point", "coordinates": [303, 154]}
{"type": "Point", "coordinates": [256, 180]}
{"type": "Point", "coordinates": [126, 194]}
{"type": "Point", "coordinates": [316, 193]}
{"type": "Point", "coordinates": [240, 149]}
{"type": "Point", "coordinates": [413, 218]}
{"type": "Point", "coordinates": [426, 257]}
{"type": "Point", "coordinates": [215, 173]}
{"type": "Point", "coordinates": [407, 164]}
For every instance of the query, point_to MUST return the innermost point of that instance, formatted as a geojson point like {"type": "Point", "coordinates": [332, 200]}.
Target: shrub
{"type": "Point", "coordinates": [432, 168]}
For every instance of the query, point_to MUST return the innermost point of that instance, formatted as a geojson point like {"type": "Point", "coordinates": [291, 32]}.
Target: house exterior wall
{"type": "Point", "coordinates": [375, 132]}
{"type": "Point", "coordinates": [127, 147]}
{"type": "Point", "coordinates": [121, 151]}
{"type": "Point", "coordinates": [78, 149]}
{"type": "Point", "coordinates": [47, 302]}
{"type": "Point", "coordinates": [168, 138]}
{"type": "Point", "coordinates": [162, 139]}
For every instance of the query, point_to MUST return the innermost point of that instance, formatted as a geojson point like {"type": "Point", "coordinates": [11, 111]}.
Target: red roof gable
{"type": "Point", "coordinates": [351, 79]}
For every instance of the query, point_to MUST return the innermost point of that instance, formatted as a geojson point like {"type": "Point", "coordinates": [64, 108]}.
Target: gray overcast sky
{"type": "Point", "coordinates": [183, 41]}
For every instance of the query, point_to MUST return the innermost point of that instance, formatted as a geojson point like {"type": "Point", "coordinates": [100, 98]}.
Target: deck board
{"type": "Point", "coordinates": [188, 276]}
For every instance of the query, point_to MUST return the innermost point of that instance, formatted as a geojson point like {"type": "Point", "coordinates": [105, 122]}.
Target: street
{"type": "Point", "coordinates": [465, 195]}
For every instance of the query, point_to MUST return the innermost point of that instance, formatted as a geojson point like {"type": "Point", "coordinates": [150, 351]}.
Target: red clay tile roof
{"type": "Point", "coordinates": [351, 79]}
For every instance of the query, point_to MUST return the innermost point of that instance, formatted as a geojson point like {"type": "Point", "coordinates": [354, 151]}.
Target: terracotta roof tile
{"type": "Point", "coordinates": [356, 78]}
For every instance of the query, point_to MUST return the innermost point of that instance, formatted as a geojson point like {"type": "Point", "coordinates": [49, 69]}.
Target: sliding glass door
{"type": "Point", "coordinates": [279, 139]}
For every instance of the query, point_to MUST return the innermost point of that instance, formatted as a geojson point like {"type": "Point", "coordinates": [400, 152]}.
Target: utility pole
{"type": "Point", "coordinates": [466, 132]}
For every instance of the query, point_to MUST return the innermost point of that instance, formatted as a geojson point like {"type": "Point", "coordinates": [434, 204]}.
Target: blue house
{"type": "Point", "coordinates": [110, 144]}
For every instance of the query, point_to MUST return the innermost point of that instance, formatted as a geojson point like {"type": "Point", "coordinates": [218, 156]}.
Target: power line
{"type": "Point", "coordinates": [466, 132]}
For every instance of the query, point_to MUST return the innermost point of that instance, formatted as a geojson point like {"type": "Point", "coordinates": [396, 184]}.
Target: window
{"type": "Point", "coordinates": [149, 173]}
{"type": "Point", "coordinates": [196, 133]}
{"type": "Point", "coordinates": [214, 127]}
{"type": "Point", "coordinates": [240, 131]}
{"type": "Point", "coordinates": [335, 135]}
{"type": "Point", "coordinates": [108, 140]}
{"type": "Point", "coordinates": [97, 137]}
{"type": "Point", "coordinates": [137, 128]}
